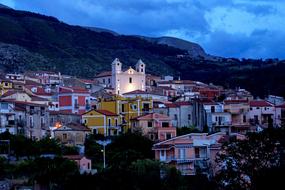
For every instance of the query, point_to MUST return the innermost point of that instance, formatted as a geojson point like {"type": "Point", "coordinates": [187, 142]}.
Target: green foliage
{"type": "Point", "coordinates": [242, 161]}
{"type": "Point", "coordinates": [187, 130]}
{"type": "Point", "coordinates": [128, 148]}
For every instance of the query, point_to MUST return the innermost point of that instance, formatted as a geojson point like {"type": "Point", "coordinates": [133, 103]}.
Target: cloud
{"type": "Point", "coordinates": [9, 3]}
{"type": "Point", "coordinates": [231, 28]}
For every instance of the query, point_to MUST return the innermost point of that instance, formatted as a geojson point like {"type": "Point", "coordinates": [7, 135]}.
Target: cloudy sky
{"type": "Point", "coordinates": [230, 28]}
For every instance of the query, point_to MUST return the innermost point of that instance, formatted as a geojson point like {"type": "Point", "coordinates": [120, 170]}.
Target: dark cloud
{"type": "Point", "coordinates": [215, 24]}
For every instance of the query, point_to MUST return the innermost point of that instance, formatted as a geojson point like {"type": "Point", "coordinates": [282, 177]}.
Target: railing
{"type": "Point", "coordinates": [226, 123]}
{"type": "Point", "coordinates": [186, 159]}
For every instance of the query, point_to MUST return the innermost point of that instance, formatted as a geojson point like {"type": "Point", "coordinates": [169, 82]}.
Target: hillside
{"type": "Point", "coordinates": [32, 41]}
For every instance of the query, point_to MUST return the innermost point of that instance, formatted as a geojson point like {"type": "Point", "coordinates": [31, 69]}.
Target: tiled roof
{"type": "Point", "coordinates": [136, 92]}
{"type": "Point", "coordinates": [35, 98]}
{"type": "Point", "coordinates": [24, 103]}
{"type": "Point", "coordinates": [30, 82]}
{"type": "Point", "coordinates": [177, 82]}
{"type": "Point", "coordinates": [62, 112]}
{"type": "Point", "coordinates": [106, 112]}
{"type": "Point", "coordinates": [153, 116]}
{"type": "Point", "coordinates": [281, 106]}
{"type": "Point", "coordinates": [72, 90]}
{"type": "Point", "coordinates": [104, 74]}
{"type": "Point", "coordinates": [235, 101]}
{"type": "Point", "coordinates": [9, 93]}
{"type": "Point", "coordinates": [177, 104]}
{"type": "Point", "coordinates": [260, 103]}
{"type": "Point", "coordinates": [74, 126]}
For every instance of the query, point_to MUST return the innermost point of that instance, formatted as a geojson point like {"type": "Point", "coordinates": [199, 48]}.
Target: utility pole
{"type": "Point", "coordinates": [104, 143]}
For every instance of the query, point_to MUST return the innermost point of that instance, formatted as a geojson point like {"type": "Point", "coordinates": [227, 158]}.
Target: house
{"type": "Point", "coordinates": [179, 112]}
{"type": "Point", "coordinates": [144, 94]}
{"type": "Point", "coordinates": [155, 126]}
{"type": "Point", "coordinates": [239, 110]}
{"type": "Point", "coordinates": [217, 119]}
{"type": "Point", "coordinates": [128, 108]}
{"type": "Point", "coordinates": [191, 153]}
{"type": "Point", "coordinates": [84, 164]}
{"type": "Point", "coordinates": [7, 117]}
{"type": "Point", "coordinates": [16, 95]}
{"type": "Point", "coordinates": [46, 77]}
{"type": "Point", "coordinates": [72, 134]}
{"type": "Point", "coordinates": [74, 100]}
{"type": "Point", "coordinates": [5, 85]}
{"type": "Point", "coordinates": [280, 110]}
{"type": "Point", "coordinates": [60, 118]}
{"type": "Point", "coordinates": [103, 122]}
{"type": "Point", "coordinates": [104, 78]}
{"type": "Point", "coordinates": [262, 113]}
{"type": "Point", "coordinates": [31, 119]}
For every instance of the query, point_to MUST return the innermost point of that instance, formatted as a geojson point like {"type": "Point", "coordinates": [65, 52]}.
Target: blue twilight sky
{"type": "Point", "coordinates": [230, 28]}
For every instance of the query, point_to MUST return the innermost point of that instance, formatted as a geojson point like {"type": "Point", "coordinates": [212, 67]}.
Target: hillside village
{"type": "Point", "coordinates": [43, 104]}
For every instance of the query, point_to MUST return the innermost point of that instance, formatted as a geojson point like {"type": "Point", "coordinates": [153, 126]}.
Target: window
{"type": "Point", "coordinates": [244, 118]}
{"type": "Point", "coordinates": [141, 70]}
{"type": "Point", "coordinates": [4, 106]}
{"type": "Point", "coordinates": [175, 116]}
{"type": "Point", "coordinates": [168, 136]}
{"type": "Point", "coordinates": [76, 103]}
{"type": "Point", "coordinates": [162, 152]}
{"type": "Point", "coordinates": [149, 124]}
{"type": "Point", "coordinates": [109, 80]}
{"type": "Point", "coordinates": [182, 153]}
{"type": "Point", "coordinates": [189, 116]}
{"type": "Point", "coordinates": [257, 108]}
{"type": "Point", "coordinates": [116, 122]}
{"type": "Point", "coordinates": [64, 136]}
{"type": "Point", "coordinates": [250, 108]}
{"type": "Point", "coordinates": [88, 166]}
{"type": "Point", "coordinates": [109, 122]}
{"type": "Point", "coordinates": [123, 107]}
{"type": "Point", "coordinates": [145, 107]}
{"type": "Point", "coordinates": [197, 153]}
{"type": "Point", "coordinates": [130, 80]}
{"type": "Point", "coordinates": [165, 124]}
{"type": "Point", "coordinates": [31, 122]}
{"type": "Point", "coordinates": [212, 109]}
{"type": "Point", "coordinates": [104, 81]}
{"type": "Point", "coordinates": [134, 106]}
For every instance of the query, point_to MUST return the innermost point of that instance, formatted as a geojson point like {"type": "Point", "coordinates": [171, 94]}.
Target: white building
{"type": "Point", "coordinates": [129, 80]}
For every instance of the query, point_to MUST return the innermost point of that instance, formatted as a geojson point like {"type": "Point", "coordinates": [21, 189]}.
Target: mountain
{"type": "Point", "coordinates": [30, 41]}
{"type": "Point", "coordinates": [4, 6]}
{"type": "Point", "coordinates": [96, 29]}
{"type": "Point", "coordinates": [194, 49]}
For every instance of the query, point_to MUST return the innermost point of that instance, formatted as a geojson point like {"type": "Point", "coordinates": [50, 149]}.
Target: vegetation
{"type": "Point", "coordinates": [245, 164]}
{"type": "Point", "coordinates": [36, 42]}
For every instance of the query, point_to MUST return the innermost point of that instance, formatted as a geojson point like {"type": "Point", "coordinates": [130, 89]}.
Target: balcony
{"type": "Point", "coordinates": [184, 160]}
{"type": "Point", "coordinates": [223, 123]}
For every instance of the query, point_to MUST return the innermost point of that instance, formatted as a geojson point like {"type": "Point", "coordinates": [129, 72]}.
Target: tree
{"type": "Point", "coordinates": [240, 162]}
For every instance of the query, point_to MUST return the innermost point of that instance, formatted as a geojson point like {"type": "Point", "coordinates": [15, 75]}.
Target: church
{"type": "Point", "coordinates": [123, 81]}
{"type": "Point", "coordinates": [127, 80]}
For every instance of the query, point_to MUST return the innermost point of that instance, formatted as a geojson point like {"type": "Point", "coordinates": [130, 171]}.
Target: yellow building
{"type": "Point", "coordinates": [127, 108]}
{"type": "Point", "coordinates": [5, 85]}
{"type": "Point", "coordinates": [103, 122]}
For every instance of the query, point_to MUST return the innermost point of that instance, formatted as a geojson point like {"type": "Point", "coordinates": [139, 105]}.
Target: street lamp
{"type": "Point", "coordinates": [104, 143]}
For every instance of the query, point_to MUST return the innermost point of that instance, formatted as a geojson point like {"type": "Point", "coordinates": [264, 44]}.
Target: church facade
{"type": "Point", "coordinates": [128, 80]}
